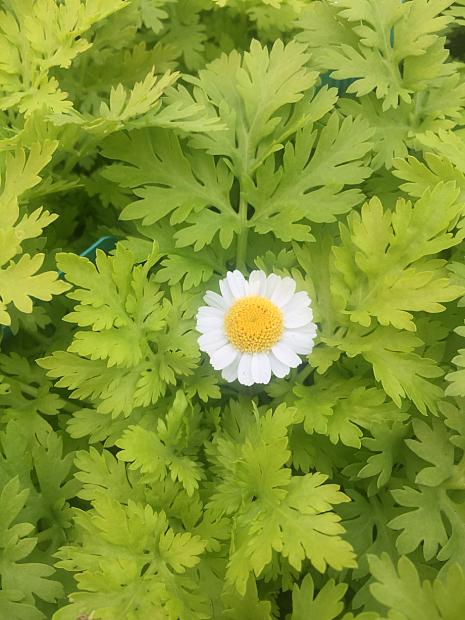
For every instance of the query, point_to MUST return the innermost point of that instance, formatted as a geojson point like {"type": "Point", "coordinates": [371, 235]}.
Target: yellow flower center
{"type": "Point", "coordinates": [254, 324]}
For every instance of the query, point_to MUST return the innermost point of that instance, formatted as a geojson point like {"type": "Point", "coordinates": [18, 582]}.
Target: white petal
{"type": "Point", "coordinates": [307, 329]}
{"type": "Point", "coordinates": [226, 292]}
{"type": "Point", "coordinates": [229, 373]}
{"type": "Point", "coordinates": [257, 283]}
{"type": "Point", "coordinates": [286, 355]}
{"type": "Point", "coordinates": [298, 318]}
{"type": "Point", "coordinates": [237, 283]}
{"type": "Point", "coordinates": [244, 371]}
{"type": "Point", "coordinates": [272, 282]}
{"type": "Point", "coordinates": [261, 368]}
{"type": "Point", "coordinates": [212, 340]}
{"type": "Point", "coordinates": [207, 325]}
{"type": "Point", "coordinates": [206, 312]}
{"type": "Point", "coordinates": [223, 357]}
{"type": "Point", "coordinates": [299, 342]}
{"type": "Point", "coordinates": [306, 333]}
{"type": "Point", "coordinates": [215, 300]}
{"type": "Point", "coordinates": [298, 301]}
{"type": "Point", "coordinates": [283, 292]}
{"type": "Point", "coordinates": [279, 369]}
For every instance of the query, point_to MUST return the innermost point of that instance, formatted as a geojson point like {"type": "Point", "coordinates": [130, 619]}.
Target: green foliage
{"type": "Point", "coordinates": [433, 503]}
{"type": "Point", "coordinates": [311, 188]}
{"type": "Point", "coordinates": [274, 510]}
{"type": "Point", "coordinates": [205, 187]}
{"type": "Point", "coordinates": [338, 407]}
{"type": "Point", "coordinates": [395, 54]}
{"type": "Point", "coordinates": [326, 605]}
{"type": "Point", "coordinates": [170, 448]}
{"type": "Point", "coordinates": [35, 37]}
{"type": "Point", "coordinates": [270, 148]}
{"type": "Point", "coordinates": [203, 136]}
{"type": "Point", "coordinates": [407, 597]}
{"type": "Point", "coordinates": [22, 581]}
{"type": "Point", "coordinates": [139, 340]}
{"type": "Point", "coordinates": [19, 277]}
{"type": "Point", "coordinates": [391, 275]}
{"type": "Point", "coordinates": [392, 66]}
{"type": "Point", "coordinates": [137, 563]}
{"type": "Point", "coordinates": [458, 11]}
{"type": "Point", "coordinates": [123, 106]}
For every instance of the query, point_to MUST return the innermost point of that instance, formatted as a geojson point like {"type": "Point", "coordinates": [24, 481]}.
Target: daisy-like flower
{"type": "Point", "coordinates": [256, 327]}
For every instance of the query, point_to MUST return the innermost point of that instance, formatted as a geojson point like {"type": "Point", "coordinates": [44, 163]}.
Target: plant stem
{"type": "Point", "coordinates": [32, 391]}
{"type": "Point", "coordinates": [305, 372]}
{"type": "Point", "coordinates": [241, 248]}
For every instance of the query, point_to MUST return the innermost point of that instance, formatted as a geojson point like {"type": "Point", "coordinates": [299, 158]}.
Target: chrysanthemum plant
{"type": "Point", "coordinates": [253, 406]}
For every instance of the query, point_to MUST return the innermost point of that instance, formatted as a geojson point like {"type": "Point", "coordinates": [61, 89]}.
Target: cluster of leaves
{"type": "Point", "coordinates": [316, 139]}
{"type": "Point", "coordinates": [395, 54]}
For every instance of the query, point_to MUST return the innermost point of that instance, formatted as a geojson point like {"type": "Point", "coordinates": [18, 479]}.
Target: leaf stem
{"type": "Point", "coordinates": [241, 248]}
{"type": "Point", "coordinates": [32, 391]}
{"type": "Point", "coordinates": [305, 372]}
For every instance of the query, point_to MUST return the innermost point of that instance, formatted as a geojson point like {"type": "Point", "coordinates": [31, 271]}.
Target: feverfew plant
{"type": "Point", "coordinates": [251, 403]}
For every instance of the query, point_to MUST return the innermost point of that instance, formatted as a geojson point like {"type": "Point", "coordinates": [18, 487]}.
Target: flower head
{"type": "Point", "coordinates": [256, 327]}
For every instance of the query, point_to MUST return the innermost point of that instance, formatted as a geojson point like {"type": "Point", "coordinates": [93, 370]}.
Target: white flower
{"type": "Point", "coordinates": [255, 328]}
